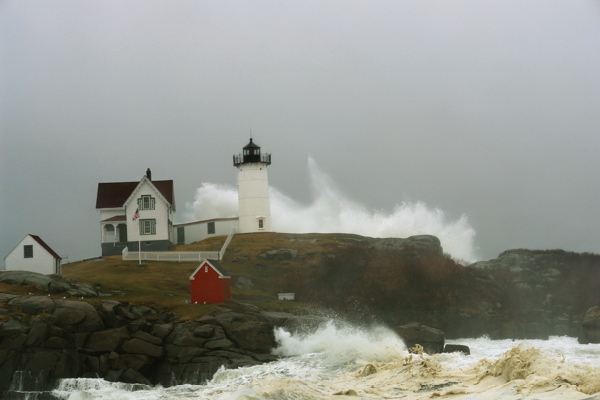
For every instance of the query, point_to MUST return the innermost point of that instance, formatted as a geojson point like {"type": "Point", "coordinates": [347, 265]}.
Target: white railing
{"type": "Point", "coordinates": [173, 256]}
{"type": "Point", "coordinates": [178, 256]}
{"type": "Point", "coordinates": [229, 237]}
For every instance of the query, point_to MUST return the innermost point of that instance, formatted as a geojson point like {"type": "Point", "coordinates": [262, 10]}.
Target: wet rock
{"type": "Point", "coordinates": [38, 333]}
{"type": "Point", "coordinates": [68, 339]}
{"type": "Point", "coordinates": [590, 327]}
{"type": "Point", "coordinates": [12, 328]}
{"type": "Point", "coordinates": [431, 339]}
{"type": "Point", "coordinates": [250, 332]}
{"type": "Point", "coordinates": [107, 340]}
{"type": "Point", "coordinates": [139, 346]}
{"type": "Point", "coordinates": [457, 348]}
{"type": "Point", "coordinates": [148, 338]}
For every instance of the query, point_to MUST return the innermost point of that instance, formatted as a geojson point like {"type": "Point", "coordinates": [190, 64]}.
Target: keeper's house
{"type": "Point", "coordinates": [120, 203]}
{"type": "Point", "coordinates": [34, 255]}
{"type": "Point", "coordinates": [210, 283]}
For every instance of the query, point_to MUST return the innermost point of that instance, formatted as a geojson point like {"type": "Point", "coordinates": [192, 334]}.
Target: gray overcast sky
{"type": "Point", "coordinates": [482, 108]}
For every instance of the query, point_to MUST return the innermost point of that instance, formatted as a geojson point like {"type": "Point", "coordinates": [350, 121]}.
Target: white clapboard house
{"type": "Point", "coordinates": [34, 255]}
{"type": "Point", "coordinates": [136, 214]}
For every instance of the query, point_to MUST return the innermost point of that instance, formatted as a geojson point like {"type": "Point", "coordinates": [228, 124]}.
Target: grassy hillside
{"type": "Point", "coordinates": [166, 284]}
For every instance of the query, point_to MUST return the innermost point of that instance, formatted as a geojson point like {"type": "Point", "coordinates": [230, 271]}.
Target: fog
{"type": "Point", "coordinates": [442, 116]}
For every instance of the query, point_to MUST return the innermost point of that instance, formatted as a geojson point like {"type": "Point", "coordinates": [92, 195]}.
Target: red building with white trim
{"type": "Point", "coordinates": [210, 283]}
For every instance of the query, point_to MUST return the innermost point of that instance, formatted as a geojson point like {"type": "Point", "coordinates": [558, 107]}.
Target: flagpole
{"type": "Point", "coordinates": [136, 216]}
{"type": "Point", "coordinates": [139, 244]}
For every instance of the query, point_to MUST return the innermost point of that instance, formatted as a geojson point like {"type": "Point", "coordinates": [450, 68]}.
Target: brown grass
{"type": "Point", "coordinates": [166, 284]}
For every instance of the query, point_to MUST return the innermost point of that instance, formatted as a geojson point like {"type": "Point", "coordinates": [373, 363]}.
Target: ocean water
{"type": "Point", "coordinates": [343, 361]}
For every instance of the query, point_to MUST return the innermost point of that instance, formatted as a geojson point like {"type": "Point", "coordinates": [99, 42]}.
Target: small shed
{"type": "Point", "coordinates": [210, 283]}
{"type": "Point", "coordinates": [34, 255]}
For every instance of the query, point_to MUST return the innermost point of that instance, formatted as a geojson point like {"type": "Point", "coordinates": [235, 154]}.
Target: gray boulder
{"type": "Point", "coordinates": [47, 283]}
{"type": "Point", "coordinates": [280, 254]}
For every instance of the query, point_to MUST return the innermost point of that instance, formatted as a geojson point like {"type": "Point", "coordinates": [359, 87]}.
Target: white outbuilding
{"type": "Point", "coordinates": [34, 255]}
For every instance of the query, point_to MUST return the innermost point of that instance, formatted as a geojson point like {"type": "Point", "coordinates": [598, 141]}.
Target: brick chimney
{"type": "Point", "coordinates": [149, 174]}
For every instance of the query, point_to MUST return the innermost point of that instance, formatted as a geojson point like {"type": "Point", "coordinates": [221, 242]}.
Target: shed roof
{"type": "Point", "coordinates": [114, 194]}
{"type": "Point", "coordinates": [45, 246]}
{"type": "Point", "coordinates": [215, 265]}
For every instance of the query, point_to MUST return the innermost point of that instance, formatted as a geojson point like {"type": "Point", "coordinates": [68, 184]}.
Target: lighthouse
{"type": "Point", "coordinates": [253, 189]}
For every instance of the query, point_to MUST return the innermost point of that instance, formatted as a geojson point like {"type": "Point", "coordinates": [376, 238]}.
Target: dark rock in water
{"type": "Point", "coordinates": [457, 348]}
{"type": "Point", "coordinates": [431, 339]}
{"type": "Point", "coordinates": [590, 326]}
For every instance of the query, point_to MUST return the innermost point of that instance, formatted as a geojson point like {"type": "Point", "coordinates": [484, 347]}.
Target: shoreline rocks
{"type": "Point", "coordinates": [53, 339]}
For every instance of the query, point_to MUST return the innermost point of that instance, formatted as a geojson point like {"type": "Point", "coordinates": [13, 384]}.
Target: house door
{"type": "Point", "coordinates": [180, 235]}
{"type": "Point", "coordinates": [122, 233]}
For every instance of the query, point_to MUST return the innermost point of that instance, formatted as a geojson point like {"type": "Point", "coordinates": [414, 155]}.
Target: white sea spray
{"type": "Point", "coordinates": [372, 362]}
{"type": "Point", "coordinates": [331, 211]}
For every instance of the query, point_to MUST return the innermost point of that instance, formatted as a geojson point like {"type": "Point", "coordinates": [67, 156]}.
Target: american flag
{"type": "Point", "coordinates": [136, 215]}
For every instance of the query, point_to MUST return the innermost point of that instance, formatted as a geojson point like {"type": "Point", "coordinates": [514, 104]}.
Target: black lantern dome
{"type": "Point", "coordinates": [251, 154]}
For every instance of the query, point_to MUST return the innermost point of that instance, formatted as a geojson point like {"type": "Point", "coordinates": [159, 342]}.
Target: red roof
{"type": "Point", "coordinates": [114, 219]}
{"type": "Point", "coordinates": [45, 246]}
{"type": "Point", "coordinates": [114, 194]}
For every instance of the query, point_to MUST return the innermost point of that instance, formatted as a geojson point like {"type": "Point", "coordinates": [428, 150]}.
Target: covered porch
{"type": "Point", "coordinates": [114, 235]}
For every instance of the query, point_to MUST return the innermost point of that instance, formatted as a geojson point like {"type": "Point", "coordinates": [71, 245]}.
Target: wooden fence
{"type": "Point", "coordinates": [177, 256]}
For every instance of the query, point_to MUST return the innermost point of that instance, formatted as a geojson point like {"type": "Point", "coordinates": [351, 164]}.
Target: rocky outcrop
{"type": "Point", "coordinates": [543, 292]}
{"type": "Point", "coordinates": [43, 339]}
{"type": "Point", "coordinates": [48, 283]}
{"type": "Point", "coordinates": [420, 243]}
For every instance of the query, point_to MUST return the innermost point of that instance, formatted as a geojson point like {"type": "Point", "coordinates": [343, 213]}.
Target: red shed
{"type": "Point", "coordinates": [210, 283]}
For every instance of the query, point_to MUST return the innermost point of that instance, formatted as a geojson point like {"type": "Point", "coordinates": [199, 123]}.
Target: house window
{"type": "Point", "coordinates": [146, 202]}
{"type": "Point", "coordinates": [261, 223]}
{"type": "Point", "coordinates": [211, 227]}
{"type": "Point", "coordinates": [28, 251]}
{"type": "Point", "coordinates": [147, 226]}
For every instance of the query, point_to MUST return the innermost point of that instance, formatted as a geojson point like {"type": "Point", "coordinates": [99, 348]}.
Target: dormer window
{"type": "Point", "coordinates": [146, 202]}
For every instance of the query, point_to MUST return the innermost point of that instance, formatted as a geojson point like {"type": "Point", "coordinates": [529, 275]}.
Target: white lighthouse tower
{"type": "Point", "coordinates": [253, 189]}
